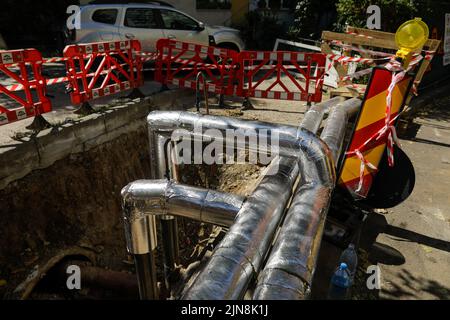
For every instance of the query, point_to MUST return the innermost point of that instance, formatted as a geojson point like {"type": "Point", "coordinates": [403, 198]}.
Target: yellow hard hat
{"type": "Point", "coordinates": [412, 35]}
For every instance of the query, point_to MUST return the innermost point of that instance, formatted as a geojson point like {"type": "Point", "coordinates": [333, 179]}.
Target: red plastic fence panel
{"type": "Point", "coordinates": [100, 69]}
{"type": "Point", "coordinates": [178, 63]}
{"type": "Point", "coordinates": [281, 75]}
{"type": "Point", "coordinates": [24, 95]}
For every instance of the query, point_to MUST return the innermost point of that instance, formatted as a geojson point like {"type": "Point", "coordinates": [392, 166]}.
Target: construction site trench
{"type": "Point", "coordinates": [60, 195]}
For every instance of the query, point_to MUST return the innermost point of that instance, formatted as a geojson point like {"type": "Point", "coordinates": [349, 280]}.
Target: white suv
{"type": "Point", "coordinates": [148, 23]}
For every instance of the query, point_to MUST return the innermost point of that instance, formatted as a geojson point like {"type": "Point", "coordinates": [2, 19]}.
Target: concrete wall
{"type": "Point", "coordinates": [48, 146]}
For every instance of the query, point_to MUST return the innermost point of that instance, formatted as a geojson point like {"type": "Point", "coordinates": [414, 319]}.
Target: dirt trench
{"type": "Point", "coordinates": [75, 202]}
{"type": "Point", "coordinates": [75, 205]}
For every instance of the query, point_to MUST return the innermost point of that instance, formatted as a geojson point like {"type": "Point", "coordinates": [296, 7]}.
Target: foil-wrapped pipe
{"type": "Point", "coordinates": [314, 116]}
{"type": "Point", "coordinates": [336, 126]}
{"type": "Point", "coordinates": [289, 270]}
{"type": "Point", "coordinates": [286, 141]}
{"type": "Point", "coordinates": [144, 199]}
{"type": "Point", "coordinates": [239, 256]}
{"type": "Point", "coordinates": [169, 121]}
{"type": "Point", "coordinates": [161, 158]}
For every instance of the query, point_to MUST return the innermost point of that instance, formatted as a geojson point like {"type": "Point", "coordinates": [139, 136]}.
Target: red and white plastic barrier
{"type": "Point", "coordinates": [23, 68]}
{"type": "Point", "coordinates": [281, 75]}
{"type": "Point", "coordinates": [178, 63]}
{"type": "Point", "coordinates": [271, 75]}
{"type": "Point", "coordinates": [101, 69]}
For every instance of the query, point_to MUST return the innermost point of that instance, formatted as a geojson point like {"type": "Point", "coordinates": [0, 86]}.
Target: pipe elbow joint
{"type": "Point", "coordinates": [317, 151]}
{"type": "Point", "coordinates": [141, 202]}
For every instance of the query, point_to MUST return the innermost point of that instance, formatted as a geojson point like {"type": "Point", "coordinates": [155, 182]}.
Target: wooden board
{"type": "Point", "coordinates": [348, 92]}
{"type": "Point", "coordinates": [379, 39]}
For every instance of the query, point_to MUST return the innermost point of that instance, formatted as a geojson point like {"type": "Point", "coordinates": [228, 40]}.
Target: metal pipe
{"type": "Point", "coordinates": [146, 275]}
{"type": "Point", "coordinates": [286, 141]}
{"type": "Point", "coordinates": [168, 121]}
{"type": "Point", "coordinates": [162, 159]}
{"type": "Point", "coordinates": [148, 198]}
{"type": "Point", "coordinates": [197, 92]}
{"type": "Point", "coordinates": [334, 131]}
{"type": "Point", "coordinates": [122, 283]}
{"type": "Point", "coordinates": [143, 200]}
{"type": "Point", "coordinates": [292, 142]}
{"type": "Point", "coordinates": [314, 116]}
{"type": "Point", "coordinates": [289, 270]}
{"type": "Point", "coordinates": [240, 254]}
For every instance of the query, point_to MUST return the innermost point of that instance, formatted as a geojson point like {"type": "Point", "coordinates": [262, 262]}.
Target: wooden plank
{"type": "Point", "coordinates": [348, 38]}
{"type": "Point", "coordinates": [348, 92]}
{"type": "Point", "coordinates": [380, 39]}
{"type": "Point", "coordinates": [434, 45]}
{"type": "Point", "coordinates": [431, 43]}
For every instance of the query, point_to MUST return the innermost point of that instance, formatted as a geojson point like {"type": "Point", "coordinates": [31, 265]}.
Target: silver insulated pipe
{"type": "Point", "coordinates": [144, 199]}
{"type": "Point", "coordinates": [241, 254]}
{"type": "Point", "coordinates": [239, 257]}
{"type": "Point", "coordinates": [289, 270]}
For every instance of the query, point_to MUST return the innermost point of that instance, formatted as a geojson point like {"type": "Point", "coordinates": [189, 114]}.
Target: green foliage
{"type": "Point", "coordinates": [393, 12]}
{"type": "Point", "coordinates": [310, 17]}
{"type": "Point", "coordinates": [310, 13]}
{"type": "Point", "coordinates": [305, 20]}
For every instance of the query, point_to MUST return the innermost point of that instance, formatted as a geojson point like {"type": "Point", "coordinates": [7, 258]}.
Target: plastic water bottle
{"type": "Point", "coordinates": [340, 283]}
{"type": "Point", "coordinates": [350, 258]}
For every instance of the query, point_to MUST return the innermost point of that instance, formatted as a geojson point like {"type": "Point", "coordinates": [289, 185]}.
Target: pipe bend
{"type": "Point", "coordinates": [143, 200]}
{"type": "Point", "coordinates": [143, 197]}
{"type": "Point", "coordinates": [317, 151]}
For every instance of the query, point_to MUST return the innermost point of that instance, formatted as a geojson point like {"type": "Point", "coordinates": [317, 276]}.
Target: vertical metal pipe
{"type": "Point", "coordinates": [140, 235]}
{"type": "Point", "coordinates": [169, 225]}
{"type": "Point", "coordinates": [146, 275]}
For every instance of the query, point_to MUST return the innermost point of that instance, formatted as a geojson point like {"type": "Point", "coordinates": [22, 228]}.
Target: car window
{"type": "Point", "coordinates": [107, 16]}
{"type": "Point", "coordinates": [141, 18]}
{"type": "Point", "coordinates": [177, 21]}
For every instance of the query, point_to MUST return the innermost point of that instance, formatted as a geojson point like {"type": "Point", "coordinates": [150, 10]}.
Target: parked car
{"type": "Point", "coordinates": [148, 23]}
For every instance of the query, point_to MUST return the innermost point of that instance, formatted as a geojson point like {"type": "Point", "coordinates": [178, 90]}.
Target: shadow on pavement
{"type": "Point", "coordinates": [408, 285]}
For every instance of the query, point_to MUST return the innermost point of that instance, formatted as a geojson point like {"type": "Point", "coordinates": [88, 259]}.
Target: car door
{"type": "Point", "coordinates": [142, 24]}
{"type": "Point", "coordinates": [179, 26]}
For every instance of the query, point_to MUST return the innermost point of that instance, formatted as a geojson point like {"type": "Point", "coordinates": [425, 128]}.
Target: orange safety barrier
{"type": "Point", "coordinates": [281, 75]}
{"type": "Point", "coordinates": [179, 63]}
{"type": "Point", "coordinates": [101, 69]}
{"type": "Point", "coordinates": [25, 94]}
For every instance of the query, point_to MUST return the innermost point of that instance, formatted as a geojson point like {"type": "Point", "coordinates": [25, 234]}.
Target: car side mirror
{"type": "Point", "coordinates": [201, 26]}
